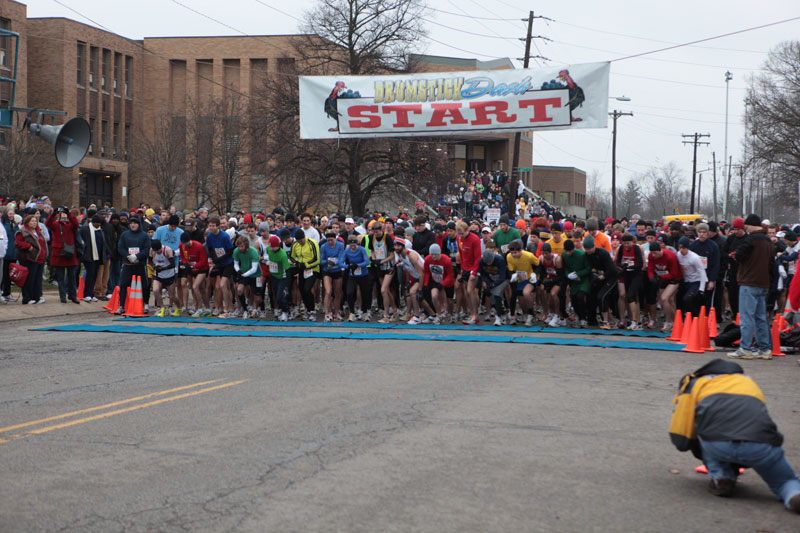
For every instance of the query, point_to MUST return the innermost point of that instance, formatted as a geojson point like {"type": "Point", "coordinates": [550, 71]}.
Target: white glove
{"type": "Point", "coordinates": [132, 258]}
{"type": "Point", "coordinates": [782, 271]}
{"type": "Point", "coordinates": [573, 276]}
{"type": "Point", "coordinates": [514, 277]}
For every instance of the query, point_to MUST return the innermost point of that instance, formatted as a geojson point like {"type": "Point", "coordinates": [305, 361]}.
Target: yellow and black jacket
{"type": "Point", "coordinates": [718, 403]}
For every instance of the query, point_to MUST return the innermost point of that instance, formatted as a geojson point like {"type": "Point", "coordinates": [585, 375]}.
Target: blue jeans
{"type": "Point", "coordinates": [113, 275]}
{"type": "Point", "coordinates": [721, 458]}
{"type": "Point", "coordinates": [753, 315]}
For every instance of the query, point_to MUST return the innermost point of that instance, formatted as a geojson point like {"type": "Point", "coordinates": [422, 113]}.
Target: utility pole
{"type": "Point", "coordinates": [512, 200]}
{"type": "Point", "coordinates": [699, 188]}
{"type": "Point", "coordinates": [714, 165]}
{"type": "Point", "coordinates": [695, 142]}
{"type": "Point", "coordinates": [615, 115]}
{"type": "Point", "coordinates": [728, 78]}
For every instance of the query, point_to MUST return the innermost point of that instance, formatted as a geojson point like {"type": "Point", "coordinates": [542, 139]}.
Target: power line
{"type": "Point", "coordinates": [678, 82]}
{"type": "Point", "coordinates": [460, 30]}
{"type": "Point", "coordinates": [467, 15]}
{"type": "Point", "coordinates": [278, 10]}
{"type": "Point", "coordinates": [708, 39]}
{"type": "Point", "coordinates": [655, 40]}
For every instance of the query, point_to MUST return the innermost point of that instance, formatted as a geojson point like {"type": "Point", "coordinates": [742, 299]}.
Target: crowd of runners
{"type": "Point", "coordinates": [591, 273]}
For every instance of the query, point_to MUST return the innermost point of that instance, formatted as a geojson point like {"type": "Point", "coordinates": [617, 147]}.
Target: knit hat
{"type": "Point", "coordinates": [248, 218]}
{"type": "Point", "coordinates": [568, 226]}
{"type": "Point", "coordinates": [504, 219]}
{"type": "Point", "coordinates": [488, 257]}
{"type": "Point", "coordinates": [616, 235]}
{"type": "Point", "coordinates": [738, 223]}
{"type": "Point", "coordinates": [790, 236]}
{"type": "Point", "coordinates": [520, 224]}
{"type": "Point", "coordinates": [610, 220]}
{"type": "Point", "coordinates": [134, 219]}
{"type": "Point", "coordinates": [752, 220]}
{"type": "Point", "coordinates": [702, 226]}
{"type": "Point", "coordinates": [684, 242]}
{"type": "Point", "coordinates": [150, 212]}
{"type": "Point", "coordinates": [435, 249]}
{"type": "Point", "coordinates": [592, 224]}
{"type": "Point", "coordinates": [263, 227]}
{"type": "Point", "coordinates": [588, 242]}
{"type": "Point", "coordinates": [555, 226]}
{"type": "Point", "coordinates": [713, 227]}
{"type": "Point", "coordinates": [400, 241]}
{"type": "Point", "coordinates": [274, 241]}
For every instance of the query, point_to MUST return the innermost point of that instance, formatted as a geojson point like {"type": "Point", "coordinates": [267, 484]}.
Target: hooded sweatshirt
{"type": "Point", "coordinates": [134, 242]}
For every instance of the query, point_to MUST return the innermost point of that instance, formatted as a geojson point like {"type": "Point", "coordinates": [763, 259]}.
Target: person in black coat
{"type": "Point", "coordinates": [423, 237]}
{"type": "Point", "coordinates": [95, 250]}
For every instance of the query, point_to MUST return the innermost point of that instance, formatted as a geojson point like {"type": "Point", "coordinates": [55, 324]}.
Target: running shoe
{"type": "Point", "coordinates": [351, 317]}
{"type": "Point", "coordinates": [178, 311]}
{"type": "Point", "coordinates": [741, 353]}
{"type": "Point", "coordinates": [162, 312]}
{"type": "Point", "coordinates": [385, 320]}
{"type": "Point", "coordinates": [667, 327]}
{"type": "Point", "coordinates": [470, 321]}
{"type": "Point", "coordinates": [199, 313]}
{"type": "Point", "coordinates": [529, 321]}
{"type": "Point", "coordinates": [414, 321]}
{"type": "Point", "coordinates": [498, 321]}
{"type": "Point", "coordinates": [328, 317]}
{"type": "Point", "coordinates": [634, 327]}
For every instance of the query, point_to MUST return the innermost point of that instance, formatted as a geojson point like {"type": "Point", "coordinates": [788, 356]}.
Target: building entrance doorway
{"type": "Point", "coordinates": [96, 187]}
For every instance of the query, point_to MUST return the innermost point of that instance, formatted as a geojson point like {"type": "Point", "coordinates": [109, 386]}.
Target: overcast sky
{"type": "Point", "coordinates": [676, 92]}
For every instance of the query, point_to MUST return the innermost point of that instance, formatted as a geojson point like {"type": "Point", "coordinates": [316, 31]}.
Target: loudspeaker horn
{"type": "Point", "coordinates": [71, 140]}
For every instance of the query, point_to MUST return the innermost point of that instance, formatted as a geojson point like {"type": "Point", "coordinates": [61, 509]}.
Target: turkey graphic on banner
{"type": "Point", "coordinates": [454, 103]}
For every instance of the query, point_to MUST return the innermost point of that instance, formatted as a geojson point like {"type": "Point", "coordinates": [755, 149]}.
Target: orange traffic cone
{"type": "Point", "coordinates": [137, 302]}
{"type": "Point", "coordinates": [677, 327]}
{"type": "Point", "coordinates": [703, 470]}
{"type": "Point", "coordinates": [702, 326]}
{"type": "Point", "coordinates": [712, 323]}
{"type": "Point", "coordinates": [687, 329]}
{"type": "Point", "coordinates": [127, 300]}
{"type": "Point", "coordinates": [695, 341]}
{"type": "Point", "coordinates": [776, 339]}
{"type": "Point", "coordinates": [81, 282]}
{"type": "Point", "coordinates": [113, 303]}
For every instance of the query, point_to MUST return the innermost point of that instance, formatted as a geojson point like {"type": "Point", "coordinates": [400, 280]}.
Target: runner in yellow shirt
{"type": "Point", "coordinates": [523, 279]}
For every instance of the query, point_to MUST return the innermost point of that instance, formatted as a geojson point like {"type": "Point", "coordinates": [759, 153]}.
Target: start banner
{"type": "Point", "coordinates": [454, 103]}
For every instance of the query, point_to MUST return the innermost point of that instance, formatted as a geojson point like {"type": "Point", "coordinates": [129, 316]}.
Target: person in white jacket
{"type": "Point", "coordinates": [690, 292]}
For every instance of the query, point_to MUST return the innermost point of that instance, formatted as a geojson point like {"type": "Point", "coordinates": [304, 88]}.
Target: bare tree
{"type": "Point", "coordinates": [598, 199]}
{"type": "Point", "coordinates": [21, 161]}
{"type": "Point", "coordinates": [772, 142]}
{"type": "Point", "coordinates": [662, 189]}
{"type": "Point", "coordinates": [361, 36]}
{"type": "Point", "coordinates": [160, 158]}
{"type": "Point", "coordinates": [344, 37]}
{"type": "Point", "coordinates": [630, 197]}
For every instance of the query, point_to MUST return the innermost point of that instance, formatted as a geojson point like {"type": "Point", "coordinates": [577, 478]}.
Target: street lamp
{"type": "Point", "coordinates": [725, 162]}
{"type": "Point", "coordinates": [615, 115]}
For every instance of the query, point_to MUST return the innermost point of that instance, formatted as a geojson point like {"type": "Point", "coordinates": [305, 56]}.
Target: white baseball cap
{"type": "Point", "coordinates": [486, 229]}
{"type": "Point", "coordinates": [349, 220]}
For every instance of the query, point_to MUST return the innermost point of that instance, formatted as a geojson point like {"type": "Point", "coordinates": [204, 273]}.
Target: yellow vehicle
{"type": "Point", "coordinates": [683, 218]}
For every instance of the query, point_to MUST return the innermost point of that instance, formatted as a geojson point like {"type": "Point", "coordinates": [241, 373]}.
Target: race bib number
{"type": "Point", "coordinates": [522, 276]}
{"type": "Point", "coordinates": [628, 262]}
{"type": "Point", "coordinates": [504, 248]}
{"type": "Point", "coordinates": [357, 271]}
{"type": "Point", "coordinates": [219, 252]}
{"type": "Point", "coordinates": [273, 267]}
{"type": "Point", "coordinates": [380, 255]}
{"type": "Point", "coordinates": [704, 260]}
{"type": "Point", "coordinates": [437, 273]}
{"type": "Point", "coordinates": [133, 251]}
{"type": "Point", "coordinates": [333, 260]}
{"type": "Point", "coordinates": [307, 273]}
{"type": "Point", "coordinates": [551, 271]}
{"type": "Point", "coordinates": [259, 282]}
{"type": "Point", "coordinates": [661, 270]}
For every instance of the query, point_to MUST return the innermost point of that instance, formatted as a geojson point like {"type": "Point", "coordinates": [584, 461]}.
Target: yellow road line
{"type": "Point", "coordinates": [106, 406]}
{"type": "Point", "coordinates": [132, 408]}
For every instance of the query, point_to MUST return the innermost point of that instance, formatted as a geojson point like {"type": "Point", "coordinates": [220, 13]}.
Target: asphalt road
{"type": "Point", "coordinates": [111, 432]}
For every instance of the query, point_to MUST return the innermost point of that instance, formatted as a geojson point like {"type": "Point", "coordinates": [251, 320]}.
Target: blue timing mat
{"type": "Point", "coordinates": [205, 332]}
{"type": "Point", "coordinates": [393, 325]}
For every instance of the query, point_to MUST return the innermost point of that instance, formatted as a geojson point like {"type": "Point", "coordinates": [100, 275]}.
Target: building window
{"type": "Point", "coordinates": [81, 63]}
{"type": "Point", "coordinates": [93, 67]}
{"type": "Point", "coordinates": [106, 69]}
{"type": "Point", "coordinates": [549, 196]}
{"type": "Point", "coordinates": [5, 60]}
{"type": "Point", "coordinates": [563, 198]}
{"type": "Point", "coordinates": [127, 139]}
{"type": "Point", "coordinates": [104, 138]}
{"type": "Point", "coordinates": [93, 133]}
{"type": "Point", "coordinates": [117, 71]}
{"type": "Point", "coordinates": [115, 140]}
{"type": "Point", "coordinates": [128, 76]}
{"type": "Point", "coordinates": [286, 65]}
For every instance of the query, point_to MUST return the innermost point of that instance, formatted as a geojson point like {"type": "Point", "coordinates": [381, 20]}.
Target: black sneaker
{"type": "Point", "coordinates": [722, 488]}
{"type": "Point", "coordinates": [794, 503]}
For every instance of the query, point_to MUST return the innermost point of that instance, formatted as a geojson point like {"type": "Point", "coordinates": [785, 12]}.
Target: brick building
{"type": "Point", "coordinates": [561, 186]}
{"type": "Point", "coordinates": [124, 88]}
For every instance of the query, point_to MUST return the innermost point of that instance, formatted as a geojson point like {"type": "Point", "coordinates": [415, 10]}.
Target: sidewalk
{"type": "Point", "coordinates": [52, 307]}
